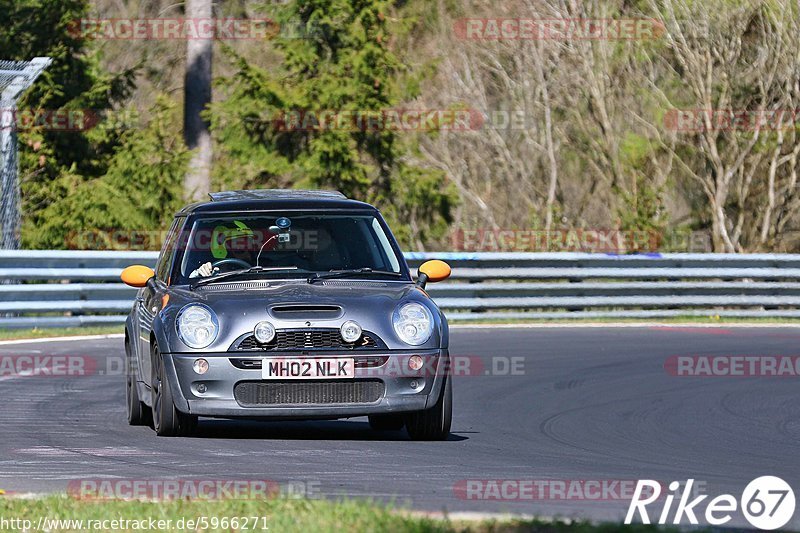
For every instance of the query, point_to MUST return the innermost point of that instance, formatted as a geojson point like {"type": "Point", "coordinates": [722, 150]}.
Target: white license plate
{"type": "Point", "coordinates": [307, 368]}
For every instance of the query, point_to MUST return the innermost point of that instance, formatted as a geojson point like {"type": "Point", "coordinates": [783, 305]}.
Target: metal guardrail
{"type": "Point", "coordinates": [75, 288]}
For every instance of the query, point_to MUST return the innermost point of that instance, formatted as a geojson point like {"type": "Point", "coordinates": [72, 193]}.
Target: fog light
{"type": "Point", "coordinates": [351, 331]}
{"type": "Point", "coordinates": [202, 388]}
{"type": "Point", "coordinates": [415, 362]}
{"type": "Point", "coordinates": [200, 366]}
{"type": "Point", "coordinates": [264, 332]}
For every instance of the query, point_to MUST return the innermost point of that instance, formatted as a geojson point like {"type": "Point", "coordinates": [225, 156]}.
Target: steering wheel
{"type": "Point", "coordinates": [231, 261]}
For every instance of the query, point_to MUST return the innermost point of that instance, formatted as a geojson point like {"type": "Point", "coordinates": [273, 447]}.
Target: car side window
{"type": "Point", "coordinates": [168, 251]}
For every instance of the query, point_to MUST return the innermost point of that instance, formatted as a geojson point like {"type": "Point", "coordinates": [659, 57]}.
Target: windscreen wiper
{"type": "Point", "coordinates": [351, 273]}
{"type": "Point", "coordinates": [234, 273]}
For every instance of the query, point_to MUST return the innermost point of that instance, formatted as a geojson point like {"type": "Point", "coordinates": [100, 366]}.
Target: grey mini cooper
{"type": "Point", "coordinates": [286, 305]}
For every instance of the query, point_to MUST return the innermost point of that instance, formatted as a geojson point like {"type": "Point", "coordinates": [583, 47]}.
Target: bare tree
{"type": "Point", "coordinates": [507, 170]}
{"type": "Point", "coordinates": [560, 166]}
{"type": "Point", "coordinates": [597, 147]}
{"type": "Point", "coordinates": [734, 127]}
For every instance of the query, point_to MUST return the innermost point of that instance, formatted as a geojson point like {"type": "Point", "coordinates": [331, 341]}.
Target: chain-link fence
{"type": "Point", "coordinates": [15, 78]}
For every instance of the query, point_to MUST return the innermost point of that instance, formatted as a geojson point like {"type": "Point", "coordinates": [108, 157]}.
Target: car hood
{"type": "Point", "coordinates": [297, 304]}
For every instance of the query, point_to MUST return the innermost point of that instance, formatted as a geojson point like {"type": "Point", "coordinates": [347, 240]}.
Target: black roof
{"type": "Point", "coordinates": [271, 199]}
{"type": "Point", "coordinates": [273, 194]}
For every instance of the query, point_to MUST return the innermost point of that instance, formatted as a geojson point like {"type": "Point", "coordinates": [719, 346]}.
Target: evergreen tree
{"type": "Point", "coordinates": [132, 201]}
{"type": "Point", "coordinates": [336, 57]}
{"type": "Point", "coordinates": [53, 162]}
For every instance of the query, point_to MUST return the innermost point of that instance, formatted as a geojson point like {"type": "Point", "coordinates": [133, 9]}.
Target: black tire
{"type": "Point", "coordinates": [433, 423]}
{"type": "Point", "coordinates": [167, 420]}
{"type": "Point", "coordinates": [138, 413]}
{"type": "Point", "coordinates": [386, 422]}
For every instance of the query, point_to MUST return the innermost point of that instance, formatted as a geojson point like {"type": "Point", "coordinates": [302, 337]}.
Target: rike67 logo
{"type": "Point", "coordinates": [767, 503]}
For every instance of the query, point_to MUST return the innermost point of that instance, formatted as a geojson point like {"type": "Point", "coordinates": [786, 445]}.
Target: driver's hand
{"type": "Point", "coordinates": [204, 271]}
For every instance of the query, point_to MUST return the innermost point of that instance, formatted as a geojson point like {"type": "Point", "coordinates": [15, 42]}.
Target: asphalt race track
{"type": "Point", "coordinates": [555, 404]}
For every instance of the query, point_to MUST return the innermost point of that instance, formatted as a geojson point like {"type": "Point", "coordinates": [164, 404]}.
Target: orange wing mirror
{"type": "Point", "coordinates": [432, 271]}
{"type": "Point", "coordinates": [137, 275]}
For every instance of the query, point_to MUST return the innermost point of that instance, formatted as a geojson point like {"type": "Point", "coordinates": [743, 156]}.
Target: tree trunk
{"type": "Point", "coordinates": [197, 96]}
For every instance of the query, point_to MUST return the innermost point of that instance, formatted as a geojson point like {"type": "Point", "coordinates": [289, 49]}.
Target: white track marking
{"type": "Point", "coordinates": [64, 339]}
{"type": "Point", "coordinates": [589, 325]}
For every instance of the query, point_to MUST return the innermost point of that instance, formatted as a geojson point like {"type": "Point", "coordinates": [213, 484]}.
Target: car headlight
{"type": "Point", "coordinates": [197, 326]}
{"type": "Point", "coordinates": [413, 323]}
{"type": "Point", "coordinates": [264, 332]}
{"type": "Point", "coordinates": [350, 331]}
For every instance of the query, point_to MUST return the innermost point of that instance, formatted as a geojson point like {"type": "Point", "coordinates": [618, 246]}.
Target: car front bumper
{"type": "Point", "coordinates": [402, 389]}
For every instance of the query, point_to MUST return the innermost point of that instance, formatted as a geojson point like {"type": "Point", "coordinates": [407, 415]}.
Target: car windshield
{"type": "Point", "coordinates": [287, 245]}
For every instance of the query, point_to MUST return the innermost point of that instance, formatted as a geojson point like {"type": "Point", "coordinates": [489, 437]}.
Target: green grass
{"type": "Point", "coordinates": [280, 514]}
{"type": "Point", "coordinates": [37, 333]}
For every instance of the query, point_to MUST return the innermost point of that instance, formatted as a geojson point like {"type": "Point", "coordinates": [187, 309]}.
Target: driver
{"type": "Point", "coordinates": [235, 243]}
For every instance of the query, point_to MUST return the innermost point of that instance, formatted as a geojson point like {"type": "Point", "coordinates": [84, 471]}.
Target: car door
{"type": "Point", "coordinates": [150, 297]}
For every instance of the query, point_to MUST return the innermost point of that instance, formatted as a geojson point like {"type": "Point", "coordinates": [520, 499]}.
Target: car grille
{"type": "Point", "coordinates": [317, 392]}
{"type": "Point", "coordinates": [359, 362]}
{"type": "Point", "coordinates": [308, 339]}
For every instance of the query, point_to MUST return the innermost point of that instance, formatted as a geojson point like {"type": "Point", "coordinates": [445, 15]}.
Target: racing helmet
{"type": "Point", "coordinates": [223, 234]}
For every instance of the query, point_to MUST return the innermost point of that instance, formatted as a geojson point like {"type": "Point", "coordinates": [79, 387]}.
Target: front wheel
{"type": "Point", "coordinates": [433, 423]}
{"type": "Point", "coordinates": [167, 420]}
